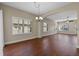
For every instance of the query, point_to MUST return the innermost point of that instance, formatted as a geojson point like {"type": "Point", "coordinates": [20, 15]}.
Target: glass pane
{"type": "Point", "coordinates": [20, 26]}
{"type": "Point", "coordinates": [27, 22]}
{"type": "Point", "coordinates": [44, 24]}
{"type": "Point", "coordinates": [14, 19]}
{"type": "Point", "coordinates": [20, 29]}
{"type": "Point", "coordinates": [26, 29]}
{"type": "Point", "coordinates": [15, 29]}
{"type": "Point", "coordinates": [44, 29]}
{"type": "Point", "coordinates": [20, 20]}
{"type": "Point", "coordinates": [65, 27]}
{"type": "Point", "coordinates": [15, 25]}
{"type": "Point", "coordinates": [60, 28]}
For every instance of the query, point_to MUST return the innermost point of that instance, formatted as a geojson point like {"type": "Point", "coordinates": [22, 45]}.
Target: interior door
{"type": "Point", "coordinates": [1, 33]}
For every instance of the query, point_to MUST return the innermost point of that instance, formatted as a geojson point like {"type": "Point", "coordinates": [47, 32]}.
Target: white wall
{"type": "Point", "coordinates": [1, 33]}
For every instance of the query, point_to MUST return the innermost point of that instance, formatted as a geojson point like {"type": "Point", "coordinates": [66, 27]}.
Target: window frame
{"type": "Point", "coordinates": [30, 25]}
{"type": "Point", "coordinates": [45, 26]}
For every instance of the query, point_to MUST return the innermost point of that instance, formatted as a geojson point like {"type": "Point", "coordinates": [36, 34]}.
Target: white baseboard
{"type": "Point", "coordinates": [1, 52]}
{"type": "Point", "coordinates": [49, 34]}
{"type": "Point", "coordinates": [77, 46]}
{"type": "Point", "coordinates": [10, 42]}
{"type": "Point", "coordinates": [15, 41]}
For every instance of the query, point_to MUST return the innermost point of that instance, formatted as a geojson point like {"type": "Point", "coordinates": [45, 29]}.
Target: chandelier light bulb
{"type": "Point", "coordinates": [36, 18]}
{"type": "Point", "coordinates": [40, 18]}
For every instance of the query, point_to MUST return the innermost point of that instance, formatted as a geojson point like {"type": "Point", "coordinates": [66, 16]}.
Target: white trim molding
{"type": "Point", "coordinates": [10, 42]}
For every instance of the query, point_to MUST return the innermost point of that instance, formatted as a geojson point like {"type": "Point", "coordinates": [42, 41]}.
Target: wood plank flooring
{"type": "Point", "coordinates": [53, 45]}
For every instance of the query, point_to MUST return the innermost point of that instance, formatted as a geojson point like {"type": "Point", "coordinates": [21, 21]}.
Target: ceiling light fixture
{"type": "Point", "coordinates": [38, 18]}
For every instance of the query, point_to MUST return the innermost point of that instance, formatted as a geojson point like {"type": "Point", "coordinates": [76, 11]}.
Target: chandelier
{"type": "Point", "coordinates": [38, 18]}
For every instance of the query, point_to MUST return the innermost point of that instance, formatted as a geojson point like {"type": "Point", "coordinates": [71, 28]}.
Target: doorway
{"type": "Point", "coordinates": [67, 27]}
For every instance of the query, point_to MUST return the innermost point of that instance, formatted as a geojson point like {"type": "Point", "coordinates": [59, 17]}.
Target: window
{"type": "Point", "coordinates": [15, 25]}
{"type": "Point", "coordinates": [63, 26]}
{"type": "Point", "coordinates": [45, 27]}
{"type": "Point", "coordinates": [27, 26]}
{"type": "Point", "coordinates": [20, 25]}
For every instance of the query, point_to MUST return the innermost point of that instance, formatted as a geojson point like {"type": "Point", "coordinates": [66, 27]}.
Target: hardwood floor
{"type": "Point", "coordinates": [53, 45]}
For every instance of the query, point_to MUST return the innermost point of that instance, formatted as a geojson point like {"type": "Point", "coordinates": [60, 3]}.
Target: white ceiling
{"type": "Point", "coordinates": [30, 7]}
